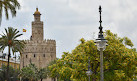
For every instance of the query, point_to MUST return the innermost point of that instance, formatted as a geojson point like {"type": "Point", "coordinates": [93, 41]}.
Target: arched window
{"type": "Point", "coordinates": [26, 56]}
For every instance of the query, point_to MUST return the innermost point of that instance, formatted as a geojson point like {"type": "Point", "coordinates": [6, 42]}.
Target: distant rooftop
{"type": "Point", "coordinates": [11, 60]}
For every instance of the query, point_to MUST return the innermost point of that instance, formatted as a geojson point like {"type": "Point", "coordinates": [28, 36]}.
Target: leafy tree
{"type": "Point", "coordinates": [9, 39]}
{"type": "Point", "coordinates": [8, 5]}
{"type": "Point", "coordinates": [54, 74]}
{"type": "Point", "coordinates": [29, 72]}
{"type": "Point", "coordinates": [42, 73]}
{"type": "Point", "coordinates": [128, 42]}
{"type": "Point", "coordinates": [13, 73]}
{"type": "Point", "coordinates": [32, 73]}
{"type": "Point", "coordinates": [119, 61]}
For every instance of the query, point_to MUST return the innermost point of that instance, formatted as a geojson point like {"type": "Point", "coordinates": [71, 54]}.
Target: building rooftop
{"type": "Point", "coordinates": [11, 60]}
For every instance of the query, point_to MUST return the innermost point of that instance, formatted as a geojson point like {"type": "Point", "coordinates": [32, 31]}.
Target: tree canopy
{"type": "Point", "coordinates": [119, 61]}
{"type": "Point", "coordinates": [32, 73]}
{"type": "Point", "coordinates": [13, 73]}
{"type": "Point", "coordinates": [9, 39]}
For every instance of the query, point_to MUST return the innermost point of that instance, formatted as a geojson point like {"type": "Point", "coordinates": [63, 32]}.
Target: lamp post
{"type": "Point", "coordinates": [101, 44]}
{"type": "Point", "coordinates": [89, 72]}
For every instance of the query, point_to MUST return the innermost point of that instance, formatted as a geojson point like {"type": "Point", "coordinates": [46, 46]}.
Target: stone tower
{"type": "Point", "coordinates": [38, 51]}
{"type": "Point", "coordinates": [37, 27]}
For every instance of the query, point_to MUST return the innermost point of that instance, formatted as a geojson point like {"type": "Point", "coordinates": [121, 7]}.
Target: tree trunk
{"type": "Point", "coordinates": [41, 79]}
{"type": "Point", "coordinates": [15, 61]}
{"type": "Point", "coordinates": [93, 79]}
{"type": "Point", "coordinates": [8, 63]}
{"type": "Point", "coordinates": [54, 79]}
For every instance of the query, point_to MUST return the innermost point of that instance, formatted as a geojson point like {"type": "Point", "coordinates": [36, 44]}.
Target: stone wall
{"type": "Point", "coordinates": [39, 52]}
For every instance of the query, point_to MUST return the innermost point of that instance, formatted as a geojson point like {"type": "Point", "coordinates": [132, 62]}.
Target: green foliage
{"type": "Point", "coordinates": [9, 39]}
{"type": "Point", "coordinates": [42, 73]}
{"type": "Point", "coordinates": [32, 73]}
{"type": "Point", "coordinates": [128, 42]}
{"type": "Point", "coordinates": [119, 61]}
{"type": "Point", "coordinates": [13, 74]}
{"type": "Point", "coordinates": [54, 74]}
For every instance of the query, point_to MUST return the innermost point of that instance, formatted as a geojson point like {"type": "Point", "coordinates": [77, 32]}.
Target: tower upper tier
{"type": "Point", "coordinates": [37, 15]}
{"type": "Point", "coordinates": [37, 27]}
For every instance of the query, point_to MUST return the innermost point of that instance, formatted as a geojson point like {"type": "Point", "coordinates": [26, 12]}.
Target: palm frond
{"type": "Point", "coordinates": [12, 34]}
{"type": "Point", "coordinates": [17, 36]}
{"type": "Point", "coordinates": [8, 5]}
{"type": "Point", "coordinates": [6, 12]}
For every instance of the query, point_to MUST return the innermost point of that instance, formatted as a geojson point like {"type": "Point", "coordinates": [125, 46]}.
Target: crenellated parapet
{"type": "Point", "coordinates": [48, 41]}
{"type": "Point", "coordinates": [47, 46]}
{"type": "Point", "coordinates": [37, 50]}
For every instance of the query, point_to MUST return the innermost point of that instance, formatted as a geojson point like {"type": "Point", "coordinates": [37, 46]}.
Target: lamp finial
{"type": "Point", "coordinates": [100, 27]}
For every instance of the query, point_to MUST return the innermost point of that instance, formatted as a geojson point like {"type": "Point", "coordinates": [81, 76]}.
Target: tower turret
{"type": "Point", "coordinates": [37, 27]}
{"type": "Point", "coordinates": [37, 15]}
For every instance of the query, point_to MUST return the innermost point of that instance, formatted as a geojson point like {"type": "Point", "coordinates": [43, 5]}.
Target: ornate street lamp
{"type": "Point", "coordinates": [101, 44]}
{"type": "Point", "coordinates": [89, 72]}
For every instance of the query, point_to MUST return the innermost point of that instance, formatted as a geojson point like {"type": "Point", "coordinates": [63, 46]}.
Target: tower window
{"type": "Point", "coordinates": [36, 19]}
{"type": "Point", "coordinates": [43, 55]}
{"type": "Point", "coordinates": [34, 55]}
{"type": "Point", "coordinates": [26, 56]}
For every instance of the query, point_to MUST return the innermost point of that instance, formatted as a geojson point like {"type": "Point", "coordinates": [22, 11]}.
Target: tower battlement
{"type": "Point", "coordinates": [37, 50]}
{"type": "Point", "coordinates": [43, 42]}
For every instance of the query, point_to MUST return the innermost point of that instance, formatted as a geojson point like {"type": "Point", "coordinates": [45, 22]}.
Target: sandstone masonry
{"type": "Point", "coordinates": [37, 50]}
